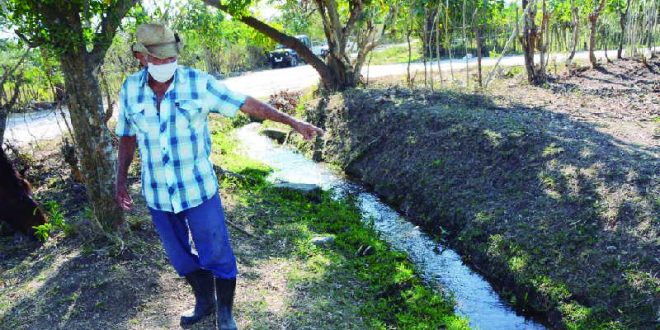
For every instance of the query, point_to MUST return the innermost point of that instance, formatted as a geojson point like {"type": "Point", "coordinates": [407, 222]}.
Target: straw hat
{"type": "Point", "coordinates": [157, 40]}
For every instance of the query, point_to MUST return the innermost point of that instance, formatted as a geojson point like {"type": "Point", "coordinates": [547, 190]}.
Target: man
{"type": "Point", "coordinates": [164, 110]}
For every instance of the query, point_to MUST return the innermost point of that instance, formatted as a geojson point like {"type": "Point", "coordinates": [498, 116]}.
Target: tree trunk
{"type": "Point", "coordinates": [477, 34]}
{"type": "Point", "coordinates": [108, 97]}
{"type": "Point", "coordinates": [517, 28]}
{"type": "Point", "coordinates": [3, 125]}
{"type": "Point", "coordinates": [465, 45]}
{"type": "Point", "coordinates": [427, 47]}
{"type": "Point", "coordinates": [576, 34]}
{"type": "Point", "coordinates": [593, 21]}
{"type": "Point", "coordinates": [606, 45]}
{"type": "Point", "coordinates": [408, 33]}
{"type": "Point", "coordinates": [447, 40]}
{"type": "Point", "coordinates": [529, 40]}
{"type": "Point", "coordinates": [622, 23]}
{"type": "Point", "coordinates": [653, 22]}
{"type": "Point", "coordinates": [542, 41]}
{"type": "Point", "coordinates": [92, 136]}
{"type": "Point", "coordinates": [437, 41]}
{"type": "Point", "coordinates": [346, 77]}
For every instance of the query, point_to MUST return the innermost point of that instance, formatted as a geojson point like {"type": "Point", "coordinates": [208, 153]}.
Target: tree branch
{"type": "Point", "coordinates": [356, 13]}
{"type": "Point", "coordinates": [109, 25]}
{"type": "Point", "coordinates": [282, 38]}
{"type": "Point", "coordinates": [30, 42]}
{"type": "Point", "coordinates": [330, 35]}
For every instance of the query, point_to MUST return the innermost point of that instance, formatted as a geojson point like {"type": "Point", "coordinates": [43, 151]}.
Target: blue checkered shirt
{"type": "Point", "coordinates": [174, 141]}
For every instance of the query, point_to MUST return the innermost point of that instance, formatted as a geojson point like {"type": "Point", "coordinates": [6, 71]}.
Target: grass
{"type": "Point", "coordinates": [396, 54]}
{"type": "Point", "coordinates": [392, 294]}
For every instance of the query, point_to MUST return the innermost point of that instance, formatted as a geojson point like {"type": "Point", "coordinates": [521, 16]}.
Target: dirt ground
{"type": "Point", "coordinates": [620, 98]}
{"type": "Point", "coordinates": [73, 283]}
{"type": "Point", "coordinates": [549, 191]}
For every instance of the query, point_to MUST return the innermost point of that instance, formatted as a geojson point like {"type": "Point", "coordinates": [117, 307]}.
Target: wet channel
{"type": "Point", "coordinates": [439, 266]}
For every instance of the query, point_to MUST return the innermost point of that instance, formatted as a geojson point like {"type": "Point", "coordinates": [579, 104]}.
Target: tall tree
{"type": "Point", "coordinates": [593, 23]}
{"type": "Point", "coordinates": [623, 13]}
{"type": "Point", "coordinates": [543, 41]}
{"type": "Point", "coordinates": [575, 14]}
{"type": "Point", "coordinates": [80, 32]}
{"type": "Point", "coordinates": [365, 21]}
{"type": "Point", "coordinates": [530, 40]}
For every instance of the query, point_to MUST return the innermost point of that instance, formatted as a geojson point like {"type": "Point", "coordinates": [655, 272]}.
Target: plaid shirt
{"type": "Point", "coordinates": [174, 141]}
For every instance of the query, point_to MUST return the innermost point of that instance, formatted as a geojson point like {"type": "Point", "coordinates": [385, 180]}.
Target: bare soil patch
{"type": "Point", "coordinates": [620, 98]}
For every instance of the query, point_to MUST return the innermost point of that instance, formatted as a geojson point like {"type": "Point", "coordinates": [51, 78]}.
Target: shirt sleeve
{"type": "Point", "coordinates": [222, 100]}
{"type": "Point", "coordinates": [124, 127]}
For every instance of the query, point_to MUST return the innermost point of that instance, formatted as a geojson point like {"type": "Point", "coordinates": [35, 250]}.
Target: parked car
{"type": "Point", "coordinates": [283, 56]}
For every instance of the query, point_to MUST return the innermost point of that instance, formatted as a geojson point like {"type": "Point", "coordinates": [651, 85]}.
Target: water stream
{"type": "Point", "coordinates": [474, 296]}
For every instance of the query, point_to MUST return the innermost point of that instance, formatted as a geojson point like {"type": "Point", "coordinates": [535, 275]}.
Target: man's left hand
{"type": "Point", "coordinates": [308, 131]}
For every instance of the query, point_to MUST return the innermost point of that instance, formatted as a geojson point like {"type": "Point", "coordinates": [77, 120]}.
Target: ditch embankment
{"type": "Point", "coordinates": [550, 192]}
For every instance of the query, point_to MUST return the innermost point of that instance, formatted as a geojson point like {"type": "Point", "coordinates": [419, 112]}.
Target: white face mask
{"type": "Point", "coordinates": [162, 72]}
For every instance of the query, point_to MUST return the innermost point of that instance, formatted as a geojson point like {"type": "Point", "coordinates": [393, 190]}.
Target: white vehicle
{"type": "Point", "coordinates": [468, 56]}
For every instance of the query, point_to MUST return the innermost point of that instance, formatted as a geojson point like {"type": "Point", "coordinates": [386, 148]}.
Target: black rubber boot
{"type": "Point", "coordinates": [201, 282]}
{"type": "Point", "coordinates": [224, 290]}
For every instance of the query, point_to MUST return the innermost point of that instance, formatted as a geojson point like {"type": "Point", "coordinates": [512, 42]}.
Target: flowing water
{"type": "Point", "coordinates": [440, 266]}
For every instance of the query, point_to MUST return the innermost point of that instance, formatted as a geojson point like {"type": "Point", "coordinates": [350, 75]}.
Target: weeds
{"type": "Point", "coordinates": [55, 222]}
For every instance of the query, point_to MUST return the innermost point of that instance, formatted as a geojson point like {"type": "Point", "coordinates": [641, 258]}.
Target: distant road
{"type": "Point", "coordinates": [26, 128]}
{"type": "Point", "coordinates": [264, 83]}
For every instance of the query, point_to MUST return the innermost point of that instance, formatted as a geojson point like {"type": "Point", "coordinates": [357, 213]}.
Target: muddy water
{"type": "Point", "coordinates": [440, 266]}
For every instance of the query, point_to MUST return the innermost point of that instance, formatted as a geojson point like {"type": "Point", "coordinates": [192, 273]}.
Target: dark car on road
{"type": "Point", "coordinates": [283, 57]}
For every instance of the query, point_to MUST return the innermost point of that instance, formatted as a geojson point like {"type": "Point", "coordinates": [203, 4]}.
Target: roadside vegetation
{"type": "Point", "coordinates": [397, 53]}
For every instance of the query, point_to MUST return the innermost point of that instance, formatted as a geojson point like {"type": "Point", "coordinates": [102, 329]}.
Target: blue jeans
{"type": "Point", "coordinates": [205, 224]}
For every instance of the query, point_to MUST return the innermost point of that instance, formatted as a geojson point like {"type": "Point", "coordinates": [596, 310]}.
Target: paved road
{"type": "Point", "coordinates": [264, 83]}
{"type": "Point", "coordinates": [27, 128]}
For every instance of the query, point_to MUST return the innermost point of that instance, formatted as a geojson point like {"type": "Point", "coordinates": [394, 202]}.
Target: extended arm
{"type": "Point", "coordinates": [262, 110]}
{"type": "Point", "coordinates": [127, 146]}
